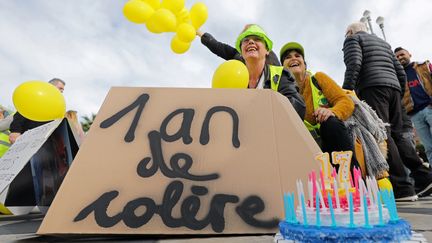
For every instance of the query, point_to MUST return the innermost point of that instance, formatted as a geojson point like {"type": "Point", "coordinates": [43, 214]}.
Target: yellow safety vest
{"type": "Point", "coordinates": [318, 100]}
{"type": "Point", "coordinates": [275, 76]}
{"type": "Point", "coordinates": [4, 142]}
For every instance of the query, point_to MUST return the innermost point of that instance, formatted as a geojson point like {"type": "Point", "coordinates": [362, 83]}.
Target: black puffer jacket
{"type": "Point", "coordinates": [370, 62]}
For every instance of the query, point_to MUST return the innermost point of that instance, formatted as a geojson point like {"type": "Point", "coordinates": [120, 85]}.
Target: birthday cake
{"type": "Point", "coordinates": [342, 209]}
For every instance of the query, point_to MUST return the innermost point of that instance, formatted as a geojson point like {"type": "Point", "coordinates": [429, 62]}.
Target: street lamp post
{"type": "Point", "coordinates": [366, 14]}
{"type": "Point", "coordinates": [380, 22]}
{"type": "Point", "coordinates": [364, 21]}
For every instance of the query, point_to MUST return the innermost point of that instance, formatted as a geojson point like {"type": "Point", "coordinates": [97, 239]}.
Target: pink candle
{"type": "Point", "coordinates": [322, 181]}
{"type": "Point", "coordinates": [356, 178]}
{"type": "Point", "coordinates": [310, 193]}
{"type": "Point", "coordinates": [314, 186]}
{"type": "Point", "coordinates": [361, 189]}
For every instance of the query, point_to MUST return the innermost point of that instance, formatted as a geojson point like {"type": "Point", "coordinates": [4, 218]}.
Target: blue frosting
{"type": "Point", "coordinates": [392, 231]}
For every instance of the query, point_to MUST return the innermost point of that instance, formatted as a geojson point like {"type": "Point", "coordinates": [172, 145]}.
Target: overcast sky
{"type": "Point", "coordinates": [90, 45]}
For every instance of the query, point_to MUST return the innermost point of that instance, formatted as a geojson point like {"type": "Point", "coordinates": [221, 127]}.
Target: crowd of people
{"type": "Point", "coordinates": [396, 96]}
{"type": "Point", "coordinates": [396, 92]}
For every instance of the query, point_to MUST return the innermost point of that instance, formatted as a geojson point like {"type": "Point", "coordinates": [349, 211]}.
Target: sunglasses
{"type": "Point", "coordinates": [252, 37]}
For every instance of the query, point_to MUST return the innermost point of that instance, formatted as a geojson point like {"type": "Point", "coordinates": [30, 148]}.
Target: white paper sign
{"type": "Point", "coordinates": [14, 160]}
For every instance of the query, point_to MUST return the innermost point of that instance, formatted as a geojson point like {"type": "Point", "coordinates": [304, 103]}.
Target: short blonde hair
{"type": "Point", "coordinates": [356, 27]}
{"type": "Point", "coordinates": [71, 115]}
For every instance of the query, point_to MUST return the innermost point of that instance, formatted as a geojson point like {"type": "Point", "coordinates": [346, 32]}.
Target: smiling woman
{"type": "Point", "coordinates": [327, 105]}
{"type": "Point", "coordinates": [254, 46]}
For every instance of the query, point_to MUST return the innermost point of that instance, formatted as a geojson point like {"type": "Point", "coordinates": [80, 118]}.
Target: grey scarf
{"type": "Point", "coordinates": [365, 125]}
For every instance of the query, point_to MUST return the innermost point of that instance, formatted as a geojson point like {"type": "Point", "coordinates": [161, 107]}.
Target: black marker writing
{"type": "Point", "coordinates": [189, 208]}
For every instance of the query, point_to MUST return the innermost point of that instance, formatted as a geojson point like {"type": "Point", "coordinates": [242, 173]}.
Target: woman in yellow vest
{"type": "Point", "coordinates": [327, 105]}
{"type": "Point", "coordinates": [254, 48]}
{"type": "Point", "coordinates": [5, 121]}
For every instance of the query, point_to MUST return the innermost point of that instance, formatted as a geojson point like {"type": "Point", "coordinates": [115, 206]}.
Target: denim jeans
{"type": "Point", "coordinates": [422, 121]}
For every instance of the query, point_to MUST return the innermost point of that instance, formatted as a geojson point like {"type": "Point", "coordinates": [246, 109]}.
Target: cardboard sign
{"type": "Point", "coordinates": [184, 161]}
{"type": "Point", "coordinates": [32, 170]}
{"type": "Point", "coordinates": [14, 160]}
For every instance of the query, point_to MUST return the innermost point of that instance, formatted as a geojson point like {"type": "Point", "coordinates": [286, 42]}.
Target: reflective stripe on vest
{"type": "Point", "coordinates": [275, 76]}
{"type": "Point", "coordinates": [4, 142]}
{"type": "Point", "coordinates": [318, 100]}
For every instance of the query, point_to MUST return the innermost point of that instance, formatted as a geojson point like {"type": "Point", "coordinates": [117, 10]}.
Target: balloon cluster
{"type": "Point", "coordinates": [168, 16]}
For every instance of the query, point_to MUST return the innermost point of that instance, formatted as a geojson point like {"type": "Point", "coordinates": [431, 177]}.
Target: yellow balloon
{"type": "Point", "coordinates": [385, 184]}
{"type": "Point", "coordinates": [155, 4]}
{"type": "Point", "coordinates": [162, 20]}
{"type": "Point", "coordinates": [39, 101]}
{"type": "Point", "coordinates": [173, 5]}
{"type": "Point", "coordinates": [183, 17]}
{"type": "Point", "coordinates": [153, 26]}
{"type": "Point", "coordinates": [231, 74]}
{"type": "Point", "coordinates": [186, 32]}
{"type": "Point", "coordinates": [198, 14]}
{"type": "Point", "coordinates": [137, 11]}
{"type": "Point", "coordinates": [178, 46]}
{"type": "Point", "coordinates": [4, 210]}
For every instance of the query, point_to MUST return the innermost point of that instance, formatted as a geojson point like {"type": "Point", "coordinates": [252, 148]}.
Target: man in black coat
{"type": "Point", "coordinates": [373, 71]}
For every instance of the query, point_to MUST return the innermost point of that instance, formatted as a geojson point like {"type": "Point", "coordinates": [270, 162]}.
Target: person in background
{"type": "Point", "coordinates": [58, 83]}
{"type": "Point", "coordinates": [228, 52]}
{"type": "Point", "coordinates": [20, 124]}
{"type": "Point", "coordinates": [6, 118]}
{"type": "Point", "coordinates": [407, 145]}
{"type": "Point", "coordinates": [75, 125]}
{"type": "Point", "coordinates": [5, 121]}
{"type": "Point", "coordinates": [417, 98]}
{"type": "Point", "coordinates": [373, 71]}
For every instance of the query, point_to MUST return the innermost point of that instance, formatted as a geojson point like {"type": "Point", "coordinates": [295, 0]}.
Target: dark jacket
{"type": "Point", "coordinates": [21, 124]}
{"type": "Point", "coordinates": [288, 88]}
{"type": "Point", "coordinates": [228, 52]}
{"type": "Point", "coordinates": [370, 62]}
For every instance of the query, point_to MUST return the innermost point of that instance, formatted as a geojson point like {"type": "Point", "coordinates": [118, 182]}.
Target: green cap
{"type": "Point", "coordinates": [288, 47]}
{"type": "Point", "coordinates": [253, 30]}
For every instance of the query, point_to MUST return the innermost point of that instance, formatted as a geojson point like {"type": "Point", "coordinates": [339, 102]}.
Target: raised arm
{"type": "Point", "coordinates": [222, 50]}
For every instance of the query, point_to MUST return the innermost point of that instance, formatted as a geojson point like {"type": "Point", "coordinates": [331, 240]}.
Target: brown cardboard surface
{"type": "Point", "coordinates": [275, 149]}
